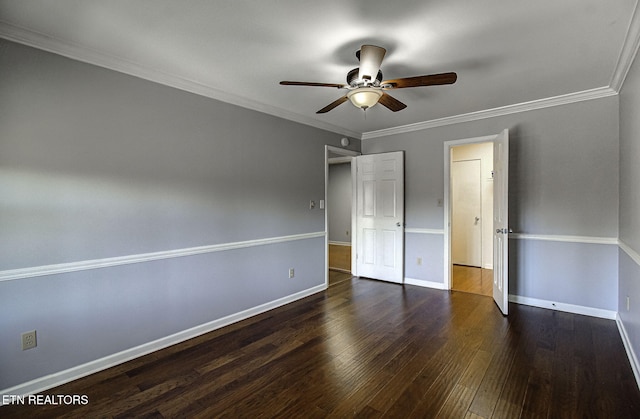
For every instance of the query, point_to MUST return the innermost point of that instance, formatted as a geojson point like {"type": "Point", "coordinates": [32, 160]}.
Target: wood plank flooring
{"type": "Point", "coordinates": [340, 257]}
{"type": "Point", "coordinates": [471, 279]}
{"type": "Point", "coordinates": [336, 277]}
{"type": "Point", "coordinates": [367, 348]}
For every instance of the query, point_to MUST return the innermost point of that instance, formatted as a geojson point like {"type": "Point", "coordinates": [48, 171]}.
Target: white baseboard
{"type": "Point", "coordinates": [633, 360]}
{"type": "Point", "coordinates": [53, 380]}
{"type": "Point", "coordinates": [423, 283]}
{"type": "Point", "coordinates": [569, 308]}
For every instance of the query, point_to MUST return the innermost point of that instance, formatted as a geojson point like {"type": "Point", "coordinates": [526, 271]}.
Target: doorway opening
{"type": "Point", "coordinates": [470, 212]}
{"type": "Point", "coordinates": [339, 214]}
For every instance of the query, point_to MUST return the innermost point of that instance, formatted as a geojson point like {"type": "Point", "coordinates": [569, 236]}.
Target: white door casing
{"type": "Point", "coordinates": [500, 201]}
{"type": "Point", "coordinates": [501, 221]}
{"type": "Point", "coordinates": [380, 216]}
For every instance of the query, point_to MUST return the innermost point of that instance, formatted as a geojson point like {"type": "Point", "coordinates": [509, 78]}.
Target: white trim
{"type": "Point", "coordinates": [633, 360]}
{"type": "Point", "coordinates": [81, 53]}
{"type": "Point", "coordinates": [425, 284]}
{"type": "Point", "coordinates": [335, 243]}
{"type": "Point", "coordinates": [472, 140]}
{"type": "Point", "coordinates": [9, 275]}
{"type": "Point", "coordinates": [629, 251]}
{"type": "Point", "coordinates": [340, 160]}
{"type": "Point", "coordinates": [566, 239]}
{"type": "Point", "coordinates": [628, 52]}
{"type": "Point", "coordinates": [597, 93]}
{"type": "Point", "coordinates": [49, 381]}
{"type": "Point", "coordinates": [424, 231]}
{"type": "Point", "coordinates": [569, 308]}
{"type": "Point", "coordinates": [354, 217]}
{"type": "Point", "coordinates": [343, 151]}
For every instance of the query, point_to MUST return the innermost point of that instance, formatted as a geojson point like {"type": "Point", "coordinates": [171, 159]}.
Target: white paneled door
{"type": "Point", "coordinates": [501, 221]}
{"type": "Point", "coordinates": [380, 216]}
{"type": "Point", "coordinates": [466, 211]}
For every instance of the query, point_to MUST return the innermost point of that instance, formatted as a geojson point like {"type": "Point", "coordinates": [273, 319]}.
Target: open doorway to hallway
{"type": "Point", "coordinates": [339, 214]}
{"type": "Point", "coordinates": [339, 219]}
{"type": "Point", "coordinates": [471, 183]}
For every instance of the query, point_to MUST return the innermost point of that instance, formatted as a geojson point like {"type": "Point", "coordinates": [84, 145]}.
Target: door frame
{"type": "Point", "coordinates": [346, 154]}
{"type": "Point", "coordinates": [448, 145]}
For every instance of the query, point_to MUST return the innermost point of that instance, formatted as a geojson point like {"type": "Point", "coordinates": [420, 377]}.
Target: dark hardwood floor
{"type": "Point", "coordinates": [366, 348]}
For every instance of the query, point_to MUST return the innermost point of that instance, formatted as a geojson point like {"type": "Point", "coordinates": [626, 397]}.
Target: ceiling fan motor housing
{"type": "Point", "coordinates": [352, 79]}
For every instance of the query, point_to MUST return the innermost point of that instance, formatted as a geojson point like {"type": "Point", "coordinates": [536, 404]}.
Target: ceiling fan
{"type": "Point", "coordinates": [366, 87]}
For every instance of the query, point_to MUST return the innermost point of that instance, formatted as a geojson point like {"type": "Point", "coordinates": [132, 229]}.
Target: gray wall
{"type": "Point", "coordinates": [630, 206]}
{"type": "Point", "coordinates": [339, 197]}
{"type": "Point", "coordinates": [563, 182]}
{"type": "Point", "coordinates": [95, 164]}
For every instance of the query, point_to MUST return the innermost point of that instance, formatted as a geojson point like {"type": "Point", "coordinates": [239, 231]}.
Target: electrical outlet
{"type": "Point", "coordinates": [29, 340]}
{"type": "Point", "coordinates": [419, 261]}
{"type": "Point", "coordinates": [291, 273]}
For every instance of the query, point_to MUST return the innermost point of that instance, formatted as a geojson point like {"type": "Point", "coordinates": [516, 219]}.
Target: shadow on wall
{"type": "Point", "coordinates": [517, 136]}
{"type": "Point", "coordinates": [516, 157]}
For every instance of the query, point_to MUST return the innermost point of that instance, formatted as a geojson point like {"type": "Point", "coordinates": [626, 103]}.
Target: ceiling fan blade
{"type": "Point", "coordinates": [417, 81]}
{"type": "Point", "coordinates": [304, 83]}
{"type": "Point", "coordinates": [370, 60]}
{"type": "Point", "coordinates": [333, 105]}
{"type": "Point", "coordinates": [391, 103]}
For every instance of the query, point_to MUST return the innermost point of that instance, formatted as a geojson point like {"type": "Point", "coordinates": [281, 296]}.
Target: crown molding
{"type": "Point", "coordinates": [628, 52]}
{"type": "Point", "coordinates": [47, 43]}
{"type": "Point", "coordinates": [81, 53]}
{"type": "Point", "coordinates": [596, 93]}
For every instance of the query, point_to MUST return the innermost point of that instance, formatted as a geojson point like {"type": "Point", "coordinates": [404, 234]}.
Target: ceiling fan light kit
{"type": "Point", "coordinates": [365, 90]}
{"type": "Point", "coordinates": [364, 97]}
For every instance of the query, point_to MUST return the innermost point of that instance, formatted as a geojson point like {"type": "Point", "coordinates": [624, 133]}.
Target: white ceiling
{"type": "Point", "coordinates": [506, 53]}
